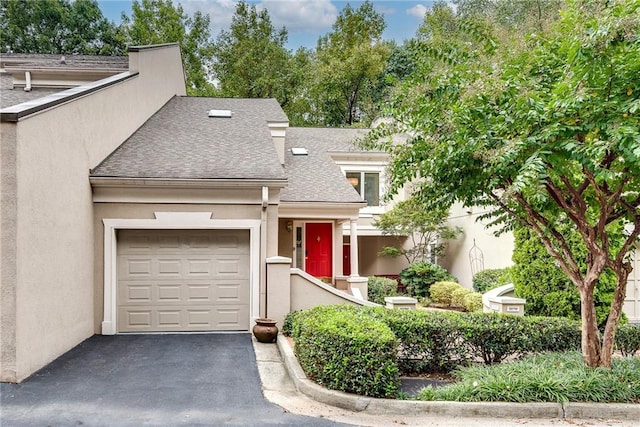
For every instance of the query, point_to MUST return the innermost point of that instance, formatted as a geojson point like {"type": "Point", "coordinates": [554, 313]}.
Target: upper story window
{"type": "Point", "coordinates": [367, 184]}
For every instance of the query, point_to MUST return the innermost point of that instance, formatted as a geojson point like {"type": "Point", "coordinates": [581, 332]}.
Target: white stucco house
{"type": "Point", "coordinates": [126, 206]}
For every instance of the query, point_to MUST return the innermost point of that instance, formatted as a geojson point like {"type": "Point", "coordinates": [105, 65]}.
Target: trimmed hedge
{"type": "Point", "coordinates": [628, 339]}
{"type": "Point", "coordinates": [472, 302]}
{"type": "Point", "coordinates": [442, 292]}
{"type": "Point", "coordinates": [430, 341]}
{"type": "Point", "coordinates": [344, 349]}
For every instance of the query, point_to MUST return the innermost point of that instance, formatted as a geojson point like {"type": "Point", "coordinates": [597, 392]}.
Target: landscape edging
{"type": "Point", "coordinates": [378, 406]}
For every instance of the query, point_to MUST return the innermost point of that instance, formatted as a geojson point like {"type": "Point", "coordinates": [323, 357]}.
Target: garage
{"type": "Point", "coordinates": [183, 280]}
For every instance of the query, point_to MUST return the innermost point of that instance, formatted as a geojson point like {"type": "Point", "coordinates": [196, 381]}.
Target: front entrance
{"type": "Point", "coordinates": [318, 249]}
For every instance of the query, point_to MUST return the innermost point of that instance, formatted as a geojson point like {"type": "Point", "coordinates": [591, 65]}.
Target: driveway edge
{"type": "Point", "coordinates": [377, 406]}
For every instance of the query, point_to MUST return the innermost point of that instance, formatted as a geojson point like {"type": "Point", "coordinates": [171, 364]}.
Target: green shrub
{"type": "Point", "coordinates": [429, 341]}
{"type": "Point", "coordinates": [419, 277]}
{"type": "Point", "coordinates": [556, 334]}
{"type": "Point", "coordinates": [491, 278]}
{"type": "Point", "coordinates": [458, 295]}
{"type": "Point", "coordinates": [492, 337]}
{"type": "Point", "coordinates": [343, 348]}
{"type": "Point", "coordinates": [549, 377]}
{"type": "Point", "coordinates": [544, 285]}
{"type": "Point", "coordinates": [472, 301]}
{"type": "Point", "coordinates": [287, 324]}
{"type": "Point", "coordinates": [628, 339]}
{"type": "Point", "coordinates": [381, 287]}
{"type": "Point", "coordinates": [442, 292]}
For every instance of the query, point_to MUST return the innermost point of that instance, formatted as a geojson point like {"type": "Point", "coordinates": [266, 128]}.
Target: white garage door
{"type": "Point", "coordinates": [632, 301]}
{"type": "Point", "coordinates": [183, 280]}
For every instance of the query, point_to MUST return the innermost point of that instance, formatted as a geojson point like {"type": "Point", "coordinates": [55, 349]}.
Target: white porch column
{"type": "Point", "coordinates": [353, 245]}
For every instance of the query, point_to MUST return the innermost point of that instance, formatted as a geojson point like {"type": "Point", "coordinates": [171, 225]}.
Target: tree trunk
{"type": "Point", "coordinates": [591, 350]}
{"type": "Point", "coordinates": [608, 341]}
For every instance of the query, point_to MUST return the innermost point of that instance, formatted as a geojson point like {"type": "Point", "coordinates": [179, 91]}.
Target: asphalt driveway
{"type": "Point", "coordinates": [138, 380]}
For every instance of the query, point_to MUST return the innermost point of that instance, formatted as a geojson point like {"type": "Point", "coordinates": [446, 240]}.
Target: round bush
{"type": "Point", "coordinates": [472, 301]}
{"type": "Point", "coordinates": [442, 292]}
{"type": "Point", "coordinates": [419, 277]}
{"type": "Point", "coordinates": [491, 278]}
{"type": "Point", "coordinates": [458, 295]}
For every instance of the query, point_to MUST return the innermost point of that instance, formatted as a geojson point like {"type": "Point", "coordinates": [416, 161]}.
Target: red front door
{"type": "Point", "coordinates": [346, 260]}
{"type": "Point", "coordinates": [318, 246]}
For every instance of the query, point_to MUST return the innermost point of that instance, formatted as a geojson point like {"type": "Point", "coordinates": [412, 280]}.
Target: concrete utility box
{"type": "Point", "coordinates": [401, 303]}
{"type": "Point", "coordinates": [509, 305]}
{"type": "Point", "coordinates": [502, 300]}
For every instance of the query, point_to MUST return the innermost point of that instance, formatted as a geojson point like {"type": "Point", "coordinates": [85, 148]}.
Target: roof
{"type": "Point", "coordinates": [180, 141]}
{"type": "Point", "coordinates": [316, 177]}
{"type": "Point", "coordinates": [12, 96]}
{"type": "Point", "coordinates": [38, 60]}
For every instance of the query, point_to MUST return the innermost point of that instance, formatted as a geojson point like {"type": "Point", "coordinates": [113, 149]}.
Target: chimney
{"type": "Point", "coordinates": [278, 133]}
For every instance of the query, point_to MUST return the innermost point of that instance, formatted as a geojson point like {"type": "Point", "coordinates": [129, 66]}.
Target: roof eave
{"type": "Point", "coordinates": [100, 181]}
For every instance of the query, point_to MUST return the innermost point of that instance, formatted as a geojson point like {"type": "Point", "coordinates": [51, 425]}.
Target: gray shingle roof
{"type": "Point", "coordinates": [181, 141]}
{"type": "Point", "coordinates": [41, 60]}
{"type": "Point", "coordinates": [316, 177]}
{"type": "Point", "coordinates": [10, 96]}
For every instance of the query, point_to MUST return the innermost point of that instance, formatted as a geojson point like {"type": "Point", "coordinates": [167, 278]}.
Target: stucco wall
{"type": "Point", "coordinates": [371, 263]}
{"type": "Point", "coordinates": [53, 234]}
{"type": "Point", "coordinates": [496, 251]}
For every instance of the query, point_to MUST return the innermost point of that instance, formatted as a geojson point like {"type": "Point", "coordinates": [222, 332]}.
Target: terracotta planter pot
{"type": "Point", "coordinates": [265, 330]}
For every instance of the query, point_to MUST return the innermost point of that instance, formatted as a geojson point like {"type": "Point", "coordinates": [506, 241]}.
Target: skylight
{"type": "Point", "coordinates": [220, 113]}
{"type": "Point", "coordinates": [299, 151]}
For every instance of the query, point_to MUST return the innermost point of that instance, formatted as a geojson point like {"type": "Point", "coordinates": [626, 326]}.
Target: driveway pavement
{"type": "Point", "coordinates": [149, 380]}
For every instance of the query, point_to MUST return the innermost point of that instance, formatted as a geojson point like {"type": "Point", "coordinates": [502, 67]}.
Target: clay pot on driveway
{"type": "Point", "coordinates": [265, 330]}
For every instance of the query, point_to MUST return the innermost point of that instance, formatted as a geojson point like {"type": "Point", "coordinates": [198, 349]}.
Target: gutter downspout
{"type": "Point", "coordinates": [27, 79]}
{"type": "Point", "coordinates": [263, 244]}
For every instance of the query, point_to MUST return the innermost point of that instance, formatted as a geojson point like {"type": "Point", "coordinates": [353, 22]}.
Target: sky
{"type": "Point", "coordinates": [305, 20]}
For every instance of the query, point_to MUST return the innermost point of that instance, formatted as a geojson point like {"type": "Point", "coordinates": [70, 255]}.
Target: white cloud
{"type": "Point", "coordinates": [301, 16]}
{"type": "Point", "coordinates": [418, 11]}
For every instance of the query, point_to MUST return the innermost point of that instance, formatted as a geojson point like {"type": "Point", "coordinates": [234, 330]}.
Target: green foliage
{"type": "Point", "coordinates": [549, 377]}
{"type": "Point", "coordinates": [419, 277]}
{"type": "Point", "coordinates": [349, 61]}
{"type": "Point", "coordinates": [57, 26]}
{"type": "Point", "coordinates": [342, 349]}
{"type": "Point", "coordinates": [493, 337]}
{"type": "Point", "coordinates": [628, 339]}
{"type": "Point", "coordinates": [287, 324]}
{"type": "Point", "coordinates": [458, 295]}
{"type": "Point", "coordinates": [429, 341]}
{"type": "Point", "coordinates": [488, 279]}
{"type": "Point", "coordinates": [426, 230]}
{"type": "Point", "coordinates": [160, 21]}
{"type": "Point", "coordinates": [547, 289]}
{"type": "Point", "coordinates": [380, 287]}
{"type": "Point", "coordinates": [539, 124]}
{"type": "Point", "coordinates": [240, 54]}
{"type": "Point", "coordinates": [472, 301]}
{"type": "Point", "coordinates": [442, 292]}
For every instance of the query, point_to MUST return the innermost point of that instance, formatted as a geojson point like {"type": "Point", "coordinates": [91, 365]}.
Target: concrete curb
{"type": "Point", "coordinates": [377, 406]}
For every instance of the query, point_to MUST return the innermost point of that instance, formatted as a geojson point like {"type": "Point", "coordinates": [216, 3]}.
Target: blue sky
{"type": "Point", "coordinates": [305, 20]}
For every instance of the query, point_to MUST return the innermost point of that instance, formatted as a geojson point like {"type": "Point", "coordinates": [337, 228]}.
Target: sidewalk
{"type": "Point", "coordinates": [284, 384]}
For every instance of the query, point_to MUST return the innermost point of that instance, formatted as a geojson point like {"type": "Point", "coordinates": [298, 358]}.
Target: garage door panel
{"type": "Point", "coordinates": [196, 318]}
{"type": "Point", "coordinates": [183, 280]}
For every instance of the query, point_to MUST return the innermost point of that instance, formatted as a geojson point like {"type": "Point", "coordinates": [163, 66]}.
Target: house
{"type": "Point", "coordinates": [126, 206]}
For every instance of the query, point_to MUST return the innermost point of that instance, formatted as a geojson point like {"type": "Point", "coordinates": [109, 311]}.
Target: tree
{"type": "Point", "coordinates": [57, 26]}
{"type": "Point", "coordinates": [350, 60]}
{"type": "Point", "coordinates": [544, 130]}
{"type": "Point", "coordinates": [159, 21]}
{"type": "Point", "coordinates": [425, 229]}
{"type": "Point", "coordinates": [251, 60]}
{"type": "Point", "coordinates": [547, 289]}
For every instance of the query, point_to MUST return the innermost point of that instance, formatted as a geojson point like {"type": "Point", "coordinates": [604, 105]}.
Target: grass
{"type": "Point", "coordinates": [550, 377]}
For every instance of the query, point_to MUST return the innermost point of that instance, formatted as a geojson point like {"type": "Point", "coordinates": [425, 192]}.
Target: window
{"type": "Point", "coordinates": [367, 184]}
